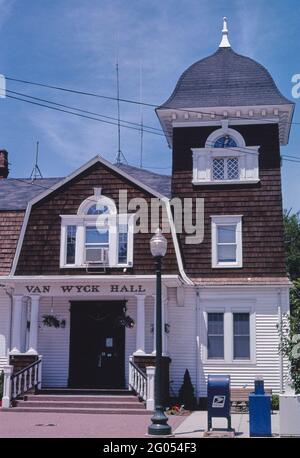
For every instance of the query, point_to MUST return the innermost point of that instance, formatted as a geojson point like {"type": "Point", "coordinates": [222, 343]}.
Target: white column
{"type": "Point", "coordinates": [6, 399]}
{"type": "Point", "coordinates": [16, 324]}
{"type": "Point", "coordinates": [150, 371]}
{"type": "Point", "coordinates": [33, 332]}
{"type": "Point", "coordinates": [140, 325]}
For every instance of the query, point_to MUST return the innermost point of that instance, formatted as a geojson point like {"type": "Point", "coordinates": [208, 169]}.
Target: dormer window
{"type": "Point", "coordinates": [97, 235]}
{"type": "Point", "coordinates": [225, 159]}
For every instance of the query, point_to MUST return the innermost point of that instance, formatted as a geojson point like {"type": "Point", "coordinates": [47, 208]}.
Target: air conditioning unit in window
{"type": "Point", "coordinates": [95, 256]}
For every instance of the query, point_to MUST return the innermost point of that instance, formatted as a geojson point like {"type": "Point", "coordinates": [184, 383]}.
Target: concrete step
{"type": "Point", "coordinates": [79, 398]}
{"type": "Point", "coordinates": [84, 392]}
{"type": "Point", "coordinates": [98, 411]}
{"type": "Point", "coordinates": [80, 405]}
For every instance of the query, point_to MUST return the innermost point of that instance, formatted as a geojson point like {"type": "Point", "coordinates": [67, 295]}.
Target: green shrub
{"type": "Point", "coordinates": [186, 392]}
{"type": "Point", "coordinates": [275, 402]}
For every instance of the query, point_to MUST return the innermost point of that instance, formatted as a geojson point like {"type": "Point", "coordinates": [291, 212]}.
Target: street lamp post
{"type": "Point", "coordinates": [159, 426]}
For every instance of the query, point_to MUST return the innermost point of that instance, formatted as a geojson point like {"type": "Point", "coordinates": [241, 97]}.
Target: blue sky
{"type": "Point", "coordinates": [73, 43]}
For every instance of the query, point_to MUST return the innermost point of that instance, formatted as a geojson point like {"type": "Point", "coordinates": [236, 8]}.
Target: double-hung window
{"type": "Point", "coordinates": [229, 335]}
{"type": "Point", "coordinates": [226, 241]}
{"type": "Point", "coordinates": [241, 335]}
{"type": "Point", "coordinates": [96, 244]}
{"type": "Point", "coordinates": [97, 235]}
{"type": "Point", "coordinates": [215, 335]}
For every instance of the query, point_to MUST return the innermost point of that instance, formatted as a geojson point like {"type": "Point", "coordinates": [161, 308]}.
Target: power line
{"type": "Point", "coordinates": [81, 110]}
{"type": "Point", "coordinates": [81, 115]}
{"type": "Point", "coordinates": [139, 127]}
{"type": "Point", "coordinates": [246, 151]}
{"type": "Point", "coordinates": [151, 105]}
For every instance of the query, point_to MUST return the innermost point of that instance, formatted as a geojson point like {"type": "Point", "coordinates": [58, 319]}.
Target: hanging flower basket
{"type": "Point", "coordinates": [51, 321]}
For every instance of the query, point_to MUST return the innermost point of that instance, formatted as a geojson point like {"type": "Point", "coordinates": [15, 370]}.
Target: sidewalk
{"type": "Point", "coordinates": [53, 425]}
{"type": "Point", "coordinates": [196, 424]}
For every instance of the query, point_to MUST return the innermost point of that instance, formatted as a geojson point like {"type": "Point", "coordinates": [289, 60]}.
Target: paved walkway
{"type": "Point", "coordinates": [29, 424]}
{"type": "Point", "coordinates": [196, 424]}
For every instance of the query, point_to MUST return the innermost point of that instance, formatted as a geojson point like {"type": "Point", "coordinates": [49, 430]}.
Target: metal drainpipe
{"type": "Point", "coordinates": [280, 354]}
{"type": "Point", "coordinates": [197, 343]}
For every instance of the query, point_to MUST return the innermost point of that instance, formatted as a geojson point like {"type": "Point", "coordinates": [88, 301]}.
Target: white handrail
{"type": "Point", "coordinates": [142, 383]}
{"type": "Point", "coordinates": [21, 382]}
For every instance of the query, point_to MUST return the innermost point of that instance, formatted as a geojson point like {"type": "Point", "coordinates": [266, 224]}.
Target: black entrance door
{"type": "Point", "coordinates": [97, 345]}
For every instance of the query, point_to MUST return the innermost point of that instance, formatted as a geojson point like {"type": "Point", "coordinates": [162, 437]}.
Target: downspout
{"type": "Point", "coordinates": [184, 276]}
{"type": "Point", "coordinates": [197, 353]}
{"type": "Point", "coordinates": [281, 369]}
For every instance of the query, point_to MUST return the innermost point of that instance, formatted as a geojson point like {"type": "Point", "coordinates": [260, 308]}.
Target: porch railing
{"type": "Point", "coordinates": [21, 382]}
{"type": "Point", "coordinates": [142, 383]}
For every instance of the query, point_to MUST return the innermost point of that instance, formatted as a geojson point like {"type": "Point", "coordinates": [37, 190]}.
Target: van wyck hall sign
{"type": "Point", "coordinates": [82, 289]}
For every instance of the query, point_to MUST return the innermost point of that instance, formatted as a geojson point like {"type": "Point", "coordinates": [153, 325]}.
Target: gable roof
{"type": "Point", "coordinates": [16, 193]}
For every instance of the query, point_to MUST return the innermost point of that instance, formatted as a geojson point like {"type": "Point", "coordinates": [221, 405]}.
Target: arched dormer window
{"type": "Point", "coordinates": [225, 142]}
{"type": "Point", "coordinates": [225, 138]}
{"type": "Point", "coordinates": [97, 235]}
{"type": "Point", "coordinates": [225, 159]}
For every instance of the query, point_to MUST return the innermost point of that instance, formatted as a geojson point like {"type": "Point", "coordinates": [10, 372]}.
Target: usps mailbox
{"type": "Point", "coordinates": [218, 398]}
{"type": "Point", "coordinates": [259, 411]}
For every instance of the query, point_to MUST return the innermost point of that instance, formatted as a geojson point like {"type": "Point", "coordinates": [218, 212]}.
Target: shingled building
{"type": "Point", "coordinates": [83, 297]}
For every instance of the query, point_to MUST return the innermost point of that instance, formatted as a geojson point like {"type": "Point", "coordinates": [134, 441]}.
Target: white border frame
{"type": "Point", "coordinates": [230, 306]}
{"type": "Point", "coordinates": [224, 220]}
{"type": "Point", "coordinates": [81, 222]}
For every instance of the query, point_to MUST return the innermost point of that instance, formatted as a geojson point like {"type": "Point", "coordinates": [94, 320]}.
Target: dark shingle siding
{"type": "Point", "coordinates": [225, 79]}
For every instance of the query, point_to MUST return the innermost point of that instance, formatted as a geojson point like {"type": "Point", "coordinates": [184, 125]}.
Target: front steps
{"type": "Point", "coordinates": [121, 402]}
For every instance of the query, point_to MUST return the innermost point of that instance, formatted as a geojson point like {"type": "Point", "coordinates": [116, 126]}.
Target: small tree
{"type": "Point", "coordinates": [292, 243]}
{"type": "Point", "coordinates": [186, 392]}
{"type": "Point", "coordinates": [289, 332]}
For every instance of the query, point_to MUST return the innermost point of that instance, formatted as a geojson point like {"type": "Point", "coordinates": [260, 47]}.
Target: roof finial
{"type": "Point", "coordinates": [224, 42]}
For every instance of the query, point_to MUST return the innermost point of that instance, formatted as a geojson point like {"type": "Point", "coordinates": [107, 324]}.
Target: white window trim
{"type": "Point", "coordinates": [81, 222]}
{"type": "Point", "coordinates": [223, 220]}
{"type": "Point", "coordinates": [248, 164]}
{"type": "Point", "coordinates": [252, 330]}
{"type": "Point", "coordinates": [228, 311]}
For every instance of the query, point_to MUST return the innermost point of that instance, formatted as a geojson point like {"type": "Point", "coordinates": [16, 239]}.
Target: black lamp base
{"type": "Point", "coordinates": [159, 425]}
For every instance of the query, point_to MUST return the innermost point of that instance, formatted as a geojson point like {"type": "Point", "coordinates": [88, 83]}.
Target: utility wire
{"type": "Point", "coordinates": [284, 157]}
{"type": "Point", "coordinates": [294, 159]}
{"type": "Point", "coordinates": [139, 127]}
{"type": "Point", "coordinates": [80, 109]}
{"type": "Point", "coordinates": [151, 105]}
{"type": "Point", "coordinates": [80, 115]}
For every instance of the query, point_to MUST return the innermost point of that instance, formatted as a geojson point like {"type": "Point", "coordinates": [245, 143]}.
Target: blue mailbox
{"type": "Point", "coordinates": [259, 411]}
{"type": "Point", "coordinates": [218, 398]}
